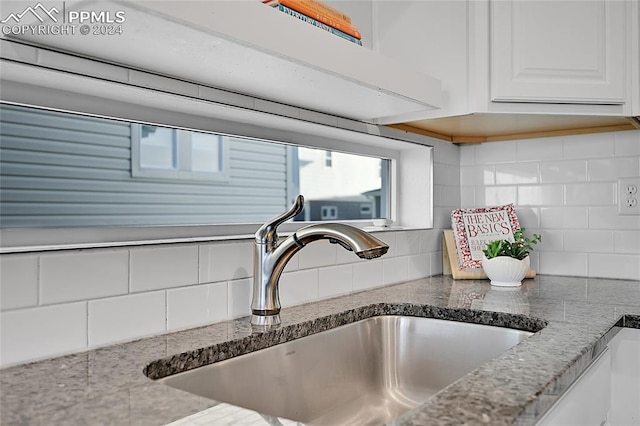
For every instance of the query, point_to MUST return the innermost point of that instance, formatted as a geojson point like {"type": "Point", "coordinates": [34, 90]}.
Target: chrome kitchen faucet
{"type": "Point", "coordinates": [270, 257]}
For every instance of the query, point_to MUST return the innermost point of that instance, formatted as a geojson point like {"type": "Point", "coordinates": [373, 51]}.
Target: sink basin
{"type": "Point", "coordinates": [367, 372]}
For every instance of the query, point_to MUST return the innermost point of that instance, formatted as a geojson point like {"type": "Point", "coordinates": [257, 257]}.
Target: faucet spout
{"type": "Point", "coordinates": [271, 257]}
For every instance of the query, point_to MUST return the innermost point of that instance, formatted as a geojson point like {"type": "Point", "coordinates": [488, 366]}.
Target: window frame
{"type": "Point", "coordinates": [411, 155]}
{"type": "Point", "coordinates": [183, 150]}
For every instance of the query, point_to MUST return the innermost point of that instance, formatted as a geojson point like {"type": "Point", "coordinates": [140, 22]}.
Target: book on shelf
{"type": "Point", "coordinates": [321, 8]}
{"type": "Point", "coordinates": [474, 228]}
{"type": "Point", "coordinates": [308, 8]}
{"type": "Point", "coordinates": [316, 23]}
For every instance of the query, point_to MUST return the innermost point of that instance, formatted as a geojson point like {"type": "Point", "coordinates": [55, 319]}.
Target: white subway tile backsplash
{"type": "Point", "coordinates": [608, 218]}
{"type": "Point", "coordinates": [597, 145]}
{"type": "Point", "coordinates": [610, 169]}
{"type": "Point", "coordinates": [80, 275]}
{"type": "Point", "coordinates": [563, 171]}
{"type": "Point", "coordinates": [395, 270]}
{"type": "Point", "coordinates": [528, 217]}
{"type": "Point", "coordinates": [239, 301]}
{"type": "Point", "coordinates": [18, 281]}
{"type": "Point", "coordinates": [495, 153]}
{"type": "Point", "coordinates": [478, 175]}
{"type": "Point", "coordinates": [563, 263]}
{"type": "Point", "coordinates": [367, 275]}
{"type": "Point", "coordinates": [431, 240]}
{"type": "Point", "coordinates": [298, 287]}
{"type": "Point", "coordinates": [163, 267]}
{"type": "Point", "coordinates": [33, 333]}
{"type": "Point", "coordinates": [335, 280]}
{"type": "Point", "coordinates": [518, 173]}
{"type": "Point", "coordinates": [318, 253]}
{"type": "Point", "coordinates": [624, 266]}
{"type": "Point", "coordinates": [588, 241]}
{"type": "Point", "coordinates": [419, 266]}
{"type": "Point", "coordinates": [590, 194]}
{"type": "Point", "coordinates": [496, 195]}
{"type": "Point", "coordinates": [123, 318]}
{"type": "Point", "coordinates": [468, 155]}
{"type": "Point", "coordinates": [540, 195]}
{"type": "Point", "coordinates": [627, 143]}
{"type": "Point", "coordinates": [539, 149]}
{"type": "Point", "coordinates": [552, 240]}
{"type": "Point", "coordinates": [225, 261]}
{"type": "Point", "coordinates": [627, 241]}
{"type": "Point", "coordinates": [407, 242]}
{"type": "Point", "coordinates": [564, 217]}
{"type": "Point", "coordinates": [196, 305]}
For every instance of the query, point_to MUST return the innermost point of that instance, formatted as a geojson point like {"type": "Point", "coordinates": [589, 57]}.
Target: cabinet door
{"type": "Point", "coordinates": [558, 51]}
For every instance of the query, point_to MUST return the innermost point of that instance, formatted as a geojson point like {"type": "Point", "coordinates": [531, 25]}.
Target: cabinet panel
{"type": "Point", "coordinates": [558, 51]}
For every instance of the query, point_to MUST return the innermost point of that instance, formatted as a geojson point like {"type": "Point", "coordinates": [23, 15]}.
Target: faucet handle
{"type": "Point", "coordinates": [267, 232]}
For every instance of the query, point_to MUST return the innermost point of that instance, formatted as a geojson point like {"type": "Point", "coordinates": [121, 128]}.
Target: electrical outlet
{"type": "Point", "coordinates": [628, 196]}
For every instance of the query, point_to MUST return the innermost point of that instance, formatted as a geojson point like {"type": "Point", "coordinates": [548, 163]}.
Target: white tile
{"type": "Point", "coordinates": [627, 143]}
{"type": "Point", "coordinates": [29, 334]}
{"type": "Point", "coordinates": [239, 302]}
{"type": "Point", "coordinates": [508, 174]}
{"type": "Point", "coordinates": [467, 197]}
{"type": "Point", "coordinates": [588, 241]}
{"type": "Point", "coordinates": [367, 275]}
{"type": "Point", "coordinates": [467, 155]}
{"type": "Point", "coordinates": [566, 264]}
{"type": "Point", "coordinates": [407, 242]}
{"type": "Point", "coordinates": [564, 217]}
{"type": "Point", "coordinates": [478, 175]}
{"type": "Point", "coordinates": [390, 239]}
{"type": "Point", "coordinates": [610, 169]}
{"type": "Point", "coordinates": [446, 174]}
{"type": "Point", "coordinates": [608, 218]}
{"type": "Point", "coordinates": [540, 195]}
{"type": "Point", "coordinates": [156, 268]}
{"type": "Point", "coordinates": [154, 81]}
{"type": "Point", "coordinates": [80, 275]}
{"type": "Point", "coordinates": [436, 263]}
{"type": "Point", "coordinates": [395, 270]}
{"type": "Point", "coordinates": [495, 195]}
{"type": "Point", "coordinates": [442, 217]}
{"type": "Point", "coordinates": [298, 287]}
{"type": "Point", "coordinates": [445, 195]}
{"type": "Point", "coordinates": [618, 266]}
{"type": "Point", "coordinates": [626, 242]}
{"type": "Point", "coordinates": [495, 153]}
{"type": "Point", "coordinates": [448, 153]}
{"type": "Point", "coordinates": [563, 171]}
{"type": "Point", "coordinates": [528, 217]}
{"type": "Point", "coordinates": [225, 261]}
{"type": "Point", "coordinates": [196, 305]}
{"type": "Point", "coordinates": [552, 240]}
{"type": "Point", "coordinates": [335, 280]}
{"type": "Point", "coordinates": [126, 317]}
{"type": "Point", "coordinates": [419, 266]}
{"type": "Point", "coordinates": [539, 149]}
{"type": "Point", "coordinates": [595, 145]}
{"type": "Point", "coordinates": [318, 253]}
{"type": "Point", "coordinates": [590, 194]}
{"type": "Point", "coordinates": [18, 281]}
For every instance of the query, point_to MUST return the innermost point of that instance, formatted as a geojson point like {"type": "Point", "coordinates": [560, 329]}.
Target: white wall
{"type": "Point", "coordinates": [565, 189]}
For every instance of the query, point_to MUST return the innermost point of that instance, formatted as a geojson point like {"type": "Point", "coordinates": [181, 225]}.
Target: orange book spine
{"type": "Point", "coordinates": [319, 7]}
{"type": "Point", "coordinates": [306, 9]}
{"type": "Point", "coordinates": [330, 11]}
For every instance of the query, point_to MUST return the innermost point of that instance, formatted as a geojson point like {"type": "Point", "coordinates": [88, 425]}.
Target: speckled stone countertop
{"type": "Point", "coordinates": [108, 386]}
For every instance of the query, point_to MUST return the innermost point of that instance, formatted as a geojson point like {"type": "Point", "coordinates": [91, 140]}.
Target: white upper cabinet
{"type": "Point", "coordinates": [558, 51]}
{"type": "Point", "coordinates": [250, 48]}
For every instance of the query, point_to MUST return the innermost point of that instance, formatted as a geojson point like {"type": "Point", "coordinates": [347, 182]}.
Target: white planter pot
{"type": "Point", "coordinates": [504, 271]}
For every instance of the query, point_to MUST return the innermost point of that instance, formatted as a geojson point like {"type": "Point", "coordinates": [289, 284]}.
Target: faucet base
{"type": "Point", "coordinates": [266, 321]}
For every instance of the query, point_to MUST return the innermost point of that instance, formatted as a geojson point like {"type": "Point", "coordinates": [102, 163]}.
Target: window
{"type": "Point", "coordinates": [166, 153]}
{"type": "Point", "coordinates": [328, 213]}
{"type": "Point", "coordinates": [77, 169]}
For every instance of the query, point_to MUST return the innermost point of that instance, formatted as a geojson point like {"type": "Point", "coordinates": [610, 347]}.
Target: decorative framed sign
{"type": "Point", "coordinates": [474, 228]}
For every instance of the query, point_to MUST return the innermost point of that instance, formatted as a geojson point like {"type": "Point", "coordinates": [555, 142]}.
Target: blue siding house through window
{"type": "Point", "coordinates": [59, 170]}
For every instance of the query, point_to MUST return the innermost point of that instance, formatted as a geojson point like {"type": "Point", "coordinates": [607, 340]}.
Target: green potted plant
{"type": "Point", "coordinates": [506, 262]}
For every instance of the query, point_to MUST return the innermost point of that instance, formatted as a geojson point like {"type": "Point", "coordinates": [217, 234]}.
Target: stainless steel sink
{"type": "Point", "coordinates": [368, 372]}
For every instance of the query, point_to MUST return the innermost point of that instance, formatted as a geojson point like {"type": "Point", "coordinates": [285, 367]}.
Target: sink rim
{"type": "Point", "coordinates": [185, 361]}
